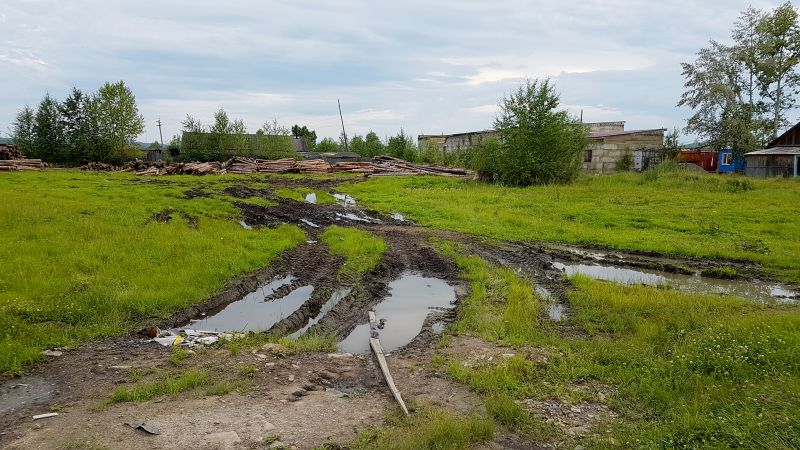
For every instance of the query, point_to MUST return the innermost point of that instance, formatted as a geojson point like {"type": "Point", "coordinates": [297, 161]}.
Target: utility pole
{"type": "Point", "coordinates": [159, 131]}
{"type": "Point", "coordinates": [344, 133]}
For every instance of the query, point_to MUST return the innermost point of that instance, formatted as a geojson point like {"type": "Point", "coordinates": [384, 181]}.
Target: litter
{"type": "Point", "coordinates": [190, 338]}
{"type": "Point", "coordinates": [44, 416]}
{"type": "Point", "coordinates": [149, 429]}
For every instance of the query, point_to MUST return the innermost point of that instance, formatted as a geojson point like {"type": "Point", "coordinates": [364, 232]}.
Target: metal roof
{"type": "Point", "coordinates": [776, 151]}
{"type": "Point", "coordinates": [603, 134]}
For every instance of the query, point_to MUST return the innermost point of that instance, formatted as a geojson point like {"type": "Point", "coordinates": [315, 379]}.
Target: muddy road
{"type": "Point", "coordinates": [308, 399]}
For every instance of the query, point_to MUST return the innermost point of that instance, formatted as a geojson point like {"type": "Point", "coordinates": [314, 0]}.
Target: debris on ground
{"type": "Point", "coordinates": [11, 165]}
{"type": "Point", "coordinates": [189, 338]}
{"type": "Point", "coordinates": [52, 352]}
{"type": "Point", "coordinates": [149, 429]}
{"type": "Point", "coordinates": [44, 416]}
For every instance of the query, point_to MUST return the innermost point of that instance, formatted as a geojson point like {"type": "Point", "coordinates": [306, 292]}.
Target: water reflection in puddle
{"type": "Point", "coordinates": [245, 225]}
{"type": "Point", "coordinates": [252, 313]}
{"type": "Point", "coordinates": [336, 297]}
{"type": "Point", "coordinates": [399, 217]}
{"type": "Point", "coordinates": [311, 197]}
{"type": "Point", "coordinates": [695, 284]}
{"type": "Point", "coordinates": [555, 310]}
{"type": "Point", "coordinates": [344, 200]}
{"type": "Point", "coordinates": [405, 309]}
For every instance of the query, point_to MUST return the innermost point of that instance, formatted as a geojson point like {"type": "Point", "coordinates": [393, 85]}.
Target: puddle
{"type": "Point", "coordinates": [344, 200]}
{"type": "Point", "coordinates": [409, 302]}
{"type": "Point", "coordinates": [18, 393]}
{"type": "Point", "coordinates": [245, 225]}
{"type": "Point", "coordinates": [336, 297]}
{"type": "Point", "coordinates": [309, 223]}
{"type": "Point", "coordinates": [356, 218]}
{"type": "Point", "coordinates": [555, 310]}
{"type": "Point", "coordinates": [398, 216]}
{"type": "Point", "coordinates": [311, 198]}
{"type": "Point", "coordinates": [695, 284]}
{"type": "Point", "coordinates": [252, 313]}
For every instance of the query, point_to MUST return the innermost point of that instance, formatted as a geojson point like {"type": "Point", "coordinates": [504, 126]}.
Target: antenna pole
{"type": "Point", "coordinates": [344, 133]}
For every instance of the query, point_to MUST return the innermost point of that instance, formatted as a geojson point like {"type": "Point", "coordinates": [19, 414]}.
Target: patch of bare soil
{"type": "Point", "coordinates": [475, 352]}
{"type": "Point", "coordinates": [579, 419]}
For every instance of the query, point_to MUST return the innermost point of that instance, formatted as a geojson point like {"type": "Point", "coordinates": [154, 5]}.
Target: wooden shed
{"type": "Point", "coordinates": [773, 162]}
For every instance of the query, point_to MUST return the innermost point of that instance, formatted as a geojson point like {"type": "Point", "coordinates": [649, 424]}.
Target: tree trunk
{"type": "Point", "coordinates": [777, 109]}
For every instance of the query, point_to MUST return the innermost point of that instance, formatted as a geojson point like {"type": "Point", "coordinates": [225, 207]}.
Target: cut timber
{"type": "Point", "coordinates": [375, 344]}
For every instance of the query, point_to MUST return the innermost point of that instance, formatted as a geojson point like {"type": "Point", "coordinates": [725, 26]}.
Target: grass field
{"type": "Point", "coordinates": [684, 371]}
{"type": "Point", "coordinates": [81, 255]}
{"type": "Point", "coordinates": [695, 215]}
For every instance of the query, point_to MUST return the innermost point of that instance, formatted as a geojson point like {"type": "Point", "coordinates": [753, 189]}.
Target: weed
{"type": "Point", "coordinates": [170, 385]}
{"type": "Point", "coordinates": [724, 272]}
{"type": "Point", "coordinates": [427, 428]}
{"type": "Point", "coordinates": [271, 438]}
{"type": "Point", "coordinates": [248, 370]}
{"type": "Point", "coordinates": [178, 356]}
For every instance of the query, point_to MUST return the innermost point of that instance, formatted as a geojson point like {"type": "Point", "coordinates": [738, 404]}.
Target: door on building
{"type": "Point", "coordinates": [796, 164]}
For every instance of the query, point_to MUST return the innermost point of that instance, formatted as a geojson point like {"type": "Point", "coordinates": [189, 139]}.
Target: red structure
{"type": "Point", "coordinates": [706, 160]}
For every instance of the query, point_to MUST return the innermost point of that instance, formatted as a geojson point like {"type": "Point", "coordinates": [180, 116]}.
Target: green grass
{"type": "Point", "coordinates": [427, 429]}
{"type": "Point", "coordinates": [80, 257]}
{"type": "Point", "coordinates": [694, 215]}
{"type": "Point", "coordinates": [362, 250]}
{"type": "Point", "coordinates": [169, 385]}
{"type": "Point", "coordinates": [310, 342]}
{"type": "Point", "coordinates": [682, 370]}
{"type": "Point", "coordinates": [299, 194]}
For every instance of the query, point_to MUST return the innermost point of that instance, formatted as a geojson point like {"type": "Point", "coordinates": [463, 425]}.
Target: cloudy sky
{"type": "Point", "coordinates": [427, 66]}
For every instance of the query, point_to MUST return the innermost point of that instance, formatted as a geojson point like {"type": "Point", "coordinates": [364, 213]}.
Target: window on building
{"type": "Point", "coordinates": [588, 157]}
{"type": "Point", "coordinates": [726, 159]}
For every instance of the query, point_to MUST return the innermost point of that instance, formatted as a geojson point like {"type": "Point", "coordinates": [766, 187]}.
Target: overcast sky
{"type": "Point", "coordinates": [426, 66]}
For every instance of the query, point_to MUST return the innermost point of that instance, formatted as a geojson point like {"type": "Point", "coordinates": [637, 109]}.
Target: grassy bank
{"type": "Point", "coordinates": [361, 249]}
{"type": "Point", "coordinates": [694, 215]}
{"type": "Point", "coordinates": [678, 370]}
{"type": "Point", "coordinates": [85, 255]}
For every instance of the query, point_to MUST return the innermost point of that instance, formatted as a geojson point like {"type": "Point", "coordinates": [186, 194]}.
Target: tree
{"type": "Point", "coordinates": [48, 135]}
{"type": "Point", "coordinates": [327, 145]}
{"type": "Point", "coordinates": [192, 125]}
{"type": "Point", "coordinates": [358, 145]}
{"type": "Point", "coordinates": [401, 146]}
{"type": "Point", "coordinates": [222, 125]}
{"type": "Point", "coordinates": [778, 56]}
{"type": "Point", "coordinates": [374, 146]}
{"type": "Point", "coordinates": [539, 143]}
{"type": "Point", "coordinates": [274, 128]}
{"type": "Point", "coordinates": [118, 117]}
{"type": "Point", "coordinates": [73, 121]}
{"type": "Point", "coordinates": [310, 135]}
{"type": "Point", "coordinates": [22, 130]}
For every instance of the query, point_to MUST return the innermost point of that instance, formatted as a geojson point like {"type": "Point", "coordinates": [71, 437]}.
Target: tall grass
{"type": "Point", "coordinates": [362, 250]}
{"type": "Point", "coordinates": [81, 256]}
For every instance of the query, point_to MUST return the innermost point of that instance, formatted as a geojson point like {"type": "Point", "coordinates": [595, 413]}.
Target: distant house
{"type": "Point", "coordinates": [455, 143]}
{"type": "Point", "coordinates": [728, 163]}
{"type": "Point", "coordinates": [781, 158]}
{"type": "Point", "coordinates": [610, 142]}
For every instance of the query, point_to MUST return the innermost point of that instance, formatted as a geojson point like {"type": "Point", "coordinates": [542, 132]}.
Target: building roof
{"type": "Point", "coordinates": [788, 138]}
{"type": "Point", "coordinates": [776, 151]}
{"type": "Point", "coordinates": [605, 134]}
{"type": "Point", "coordinates": [424, 136]}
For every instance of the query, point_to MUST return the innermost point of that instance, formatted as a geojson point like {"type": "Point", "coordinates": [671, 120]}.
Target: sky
{"type": "Point", "coordinates": [428, 67]}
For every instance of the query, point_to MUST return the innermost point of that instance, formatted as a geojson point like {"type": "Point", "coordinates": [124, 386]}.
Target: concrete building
{"type": "Point", "coordinates": [454, 143]}
{"type": "Point", "coordinates": [610, 142]}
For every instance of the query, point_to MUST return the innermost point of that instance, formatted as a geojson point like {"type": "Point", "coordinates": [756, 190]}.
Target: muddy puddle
{"type": "Point", "coordinates": [311, 198]}
{"type": "Point", "coordinates": [756, 290]}
{"type": "Point", "coordinates": [411, 298]}
{"type": "Point", "coordinates": [335, 298]}
{"type": "Point", "coordinates": [344, 200]}
{"type": "Point", "coordinates": [253, 312]}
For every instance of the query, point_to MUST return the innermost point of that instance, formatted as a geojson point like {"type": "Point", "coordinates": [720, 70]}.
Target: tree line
{"type": "Point", "coordinates": [740, 93]}
{"type": "Point", "coordinates": [98, 126]}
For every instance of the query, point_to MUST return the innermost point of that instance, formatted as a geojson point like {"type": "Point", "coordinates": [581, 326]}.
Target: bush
{"type": "Point", "coordinates": [538, 143]}
{"type": "Point", "coordinates": [625, 163]}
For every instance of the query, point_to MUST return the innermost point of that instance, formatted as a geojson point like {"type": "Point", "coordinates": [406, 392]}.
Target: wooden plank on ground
{"type": "Point", "coordinates": [375, 344]}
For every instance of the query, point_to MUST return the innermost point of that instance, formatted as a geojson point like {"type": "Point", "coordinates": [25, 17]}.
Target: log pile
{"type": "Point", "coordinates": [312, 166]}
{"type": "Point", "coordinates": [103, 167]}
{"type": "Point", "coordinates": [10, 151]}
{"type": "Point", "coordinates": [9, 165]}
{"type": "Point", "coordinates": [379, 166]}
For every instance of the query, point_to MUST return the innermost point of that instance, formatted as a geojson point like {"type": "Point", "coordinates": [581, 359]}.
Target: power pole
{"type": "Point", "coordinates": [344, 133]}
{"type": "Point", "coordinates": [159, 131]}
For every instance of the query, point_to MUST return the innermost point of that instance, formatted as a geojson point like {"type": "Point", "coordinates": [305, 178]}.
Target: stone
{"type": "Point", "coordinates": [340, 355]}
{"type": "Point", "coordinates": [52, 353]}
{"type": "Point", "coordinates": [277, 444]}
{"type": "Point", "coordinates": [224, 439]}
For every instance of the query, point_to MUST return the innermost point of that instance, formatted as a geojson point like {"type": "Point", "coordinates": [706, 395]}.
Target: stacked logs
{"type": "Point", "coordinates": [10, 151]}
{"type": "Point", "coordinates": [9, 165]}
{"type": "Point", "coordinates": [380, 166]}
